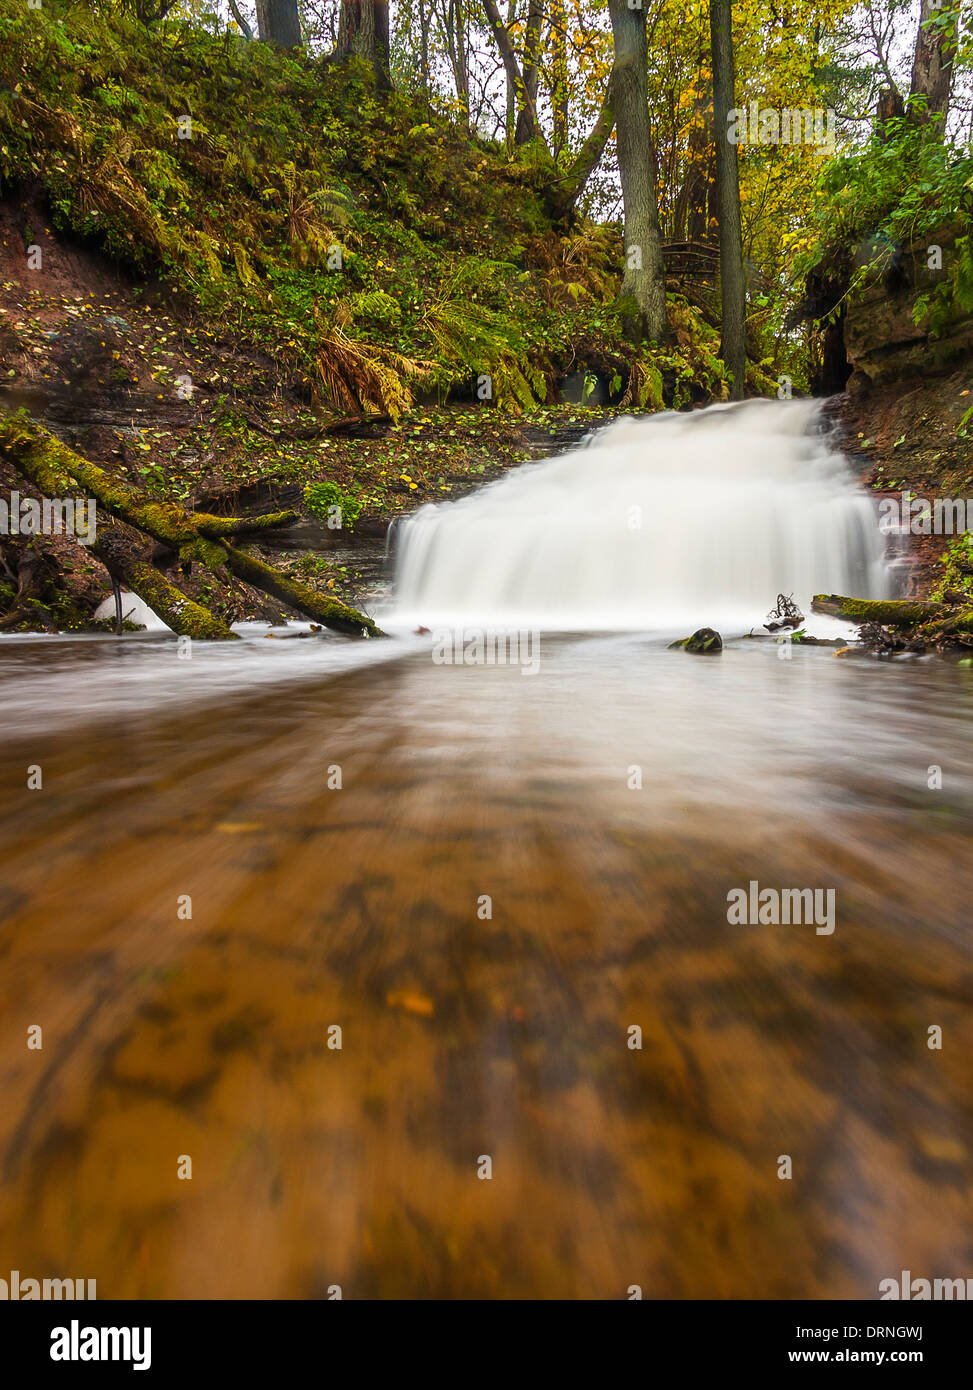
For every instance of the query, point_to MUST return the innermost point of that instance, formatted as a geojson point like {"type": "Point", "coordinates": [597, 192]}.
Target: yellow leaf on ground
{"type": "Point", "coordinates": [412, 1003]}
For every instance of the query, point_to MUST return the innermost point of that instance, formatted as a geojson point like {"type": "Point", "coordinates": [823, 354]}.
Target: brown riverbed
{"type": "Point", "coordinates": [464, 1036]}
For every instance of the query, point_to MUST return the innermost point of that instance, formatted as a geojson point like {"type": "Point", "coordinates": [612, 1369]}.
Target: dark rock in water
{"type": "Point", "coordinates": [704, 639]}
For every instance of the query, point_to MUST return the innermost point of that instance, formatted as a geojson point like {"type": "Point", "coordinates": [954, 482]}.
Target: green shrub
{"type": "Point", "coordinates": [322, 497]}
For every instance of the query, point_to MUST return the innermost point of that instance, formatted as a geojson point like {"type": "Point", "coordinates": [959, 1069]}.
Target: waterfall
{"type": "Point", "coordinates": [655, 523]}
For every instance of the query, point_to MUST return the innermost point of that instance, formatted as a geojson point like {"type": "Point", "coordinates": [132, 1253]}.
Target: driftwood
{"type": "Point", "coordinates": [785, 615]}
{"type": "Point", "coordinates": [58, 471]}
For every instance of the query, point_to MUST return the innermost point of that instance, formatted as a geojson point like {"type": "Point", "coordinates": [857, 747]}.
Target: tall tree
{"type": "Point", "coordinates": [572, 183]}
{"type": "Point", "coordinates": [424, 15]}
{"type": "Point", "coordinates": [278, 22]}
{"type": "Point", "coordinates": [560, 79]}
{"type": "Point", "coordinates": [527, 119]}
{"type": "Point", "coordinates": [932, 63]}
{"type": "Point", "coordinates": [453, 17]}
{"type": "Point", "coordinates": [644, 279]}
{"type": "Point", "coordinates": [732, 283]}
{"type": "Point", "coordinates": [510, 112]}
{"type": "Point", "coordinates": [528, 126]}
{"type": "Point", "coordinates": [363, 29]}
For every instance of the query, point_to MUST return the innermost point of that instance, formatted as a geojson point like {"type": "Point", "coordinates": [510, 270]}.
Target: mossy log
{"type": "Point", "coordinates": [118, 550]}
{"type": "Point", "coordinates": [953, 620]}
{"type": "Point", "coordinates": [925, 621]}
{"type": "Point", "coordinates": [216, 527]}
{"type": "Point", "coordinates": [887, 612]}
{"type": "Point", "coordinates": [56, 470]}
{"type": "Point", "coordinates": [329, 611]}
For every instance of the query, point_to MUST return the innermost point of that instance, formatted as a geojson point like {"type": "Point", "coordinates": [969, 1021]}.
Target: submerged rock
{"type": "Point", "coordinates": [704, 639]}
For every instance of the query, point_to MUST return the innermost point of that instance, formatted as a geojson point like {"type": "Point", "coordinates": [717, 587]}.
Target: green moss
{"type": "Point", "coordinates": [960, 620]}
{"type": "Point", "coordinates": [184, 616]}
{"type": "Point", "coordinates": [321, 497]}
{"type": "Point", "coordinates": [331, 612]}
{"type": "Point", "coordinates": [894, 612]}
{"type": "Point", "coordinates": [204, 552]}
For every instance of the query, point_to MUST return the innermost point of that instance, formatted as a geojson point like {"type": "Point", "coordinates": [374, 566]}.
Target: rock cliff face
{"type": "Point", "coordinates": [883, 341]}
{"type": "Point", "coordinates": [905, 401]}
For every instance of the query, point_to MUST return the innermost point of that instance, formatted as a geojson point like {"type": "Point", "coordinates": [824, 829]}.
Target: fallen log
{"type": "Point", "coordinates": [329, 611]}
{"type": "Point", "coordinates": [120, 553]}
{"type": "Point", "coordinates": [219, 526]}
{"type": "Point", "coordinates": [953, 621]}
{"type": "Point", "coordinates": [57, 470]}
{"type": "Point", "coordinates": [924, 621]}
{"type": "Point", "coordinates": [886, 612]}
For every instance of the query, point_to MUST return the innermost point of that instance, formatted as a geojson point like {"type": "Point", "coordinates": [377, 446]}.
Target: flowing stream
{"type": "Point", "coordinates": [487, 879]}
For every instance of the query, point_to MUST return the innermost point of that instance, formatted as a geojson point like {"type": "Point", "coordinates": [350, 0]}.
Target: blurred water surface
{"type": "Point", "coordinates": [462, 1035]}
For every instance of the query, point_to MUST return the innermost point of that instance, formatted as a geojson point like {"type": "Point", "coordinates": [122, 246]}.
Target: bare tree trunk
{"type": "Point", "coordinates": [932, 63]}
{"type": "Point", "coordinates": [527, 125]}
{"type": "Point", "coordinates": [560, 87]}
{"type": "Point", "coordinates": [732, 284]}
{"type": "Point", "coordinates": [643, 283]}
{"type": "Point", "coordinates": [511, 85]}
{"type": "Point", "coordinates": [454, 25]}
{"type": "Point", "coordinates": [424, 43]}
{"type": "Point", "coordinates": [242, 24]}
{"type": "Point", "coordinates": [363, 29]}
{"type": "Point", "coordinates": [890, 105]}
{"type": "Point", "coordinates": [462, 68]}
{"type": "Point", "coordinates": [702, 174]}
{"type": "Point", "coordinates": [588, 158]}
{"type": "Point", "coordinates": [278, 22]}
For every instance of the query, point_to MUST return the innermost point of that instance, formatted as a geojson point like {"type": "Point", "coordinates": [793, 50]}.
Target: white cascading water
{"type": "Point", "coordinates": [660, 522]}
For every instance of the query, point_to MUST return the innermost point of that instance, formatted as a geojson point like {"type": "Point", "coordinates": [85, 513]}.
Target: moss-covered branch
{"type": "Point", "coordinates": [55, 470]}
{"type": "Point", "coordinates": [924, 623]}
{"type": "Point", "coordinates": [329, 611]}
{"type": "Point", "coordinates": [119, 553]}
{"type": "Point", "coordinates": [955, 620]}
{"type": "Point", "coordinates": [888, 612]}
{"type": "Point", "coordinates": [216, 527]}
{"type": "Point", "coordinates": [52, 466]}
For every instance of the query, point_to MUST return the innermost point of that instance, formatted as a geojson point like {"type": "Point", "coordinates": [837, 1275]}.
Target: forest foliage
{"type": "Point", "coordinates": [368, 242]}
{"type": "Point", "coordinates": [399, 229]}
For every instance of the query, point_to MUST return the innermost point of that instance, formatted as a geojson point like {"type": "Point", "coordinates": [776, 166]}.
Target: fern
{"type": "Point", "coordinates": [363, 376]}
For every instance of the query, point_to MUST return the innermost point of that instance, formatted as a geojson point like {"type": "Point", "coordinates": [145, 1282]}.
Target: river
{"type": "Point", "coordinates": [508, 888]}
